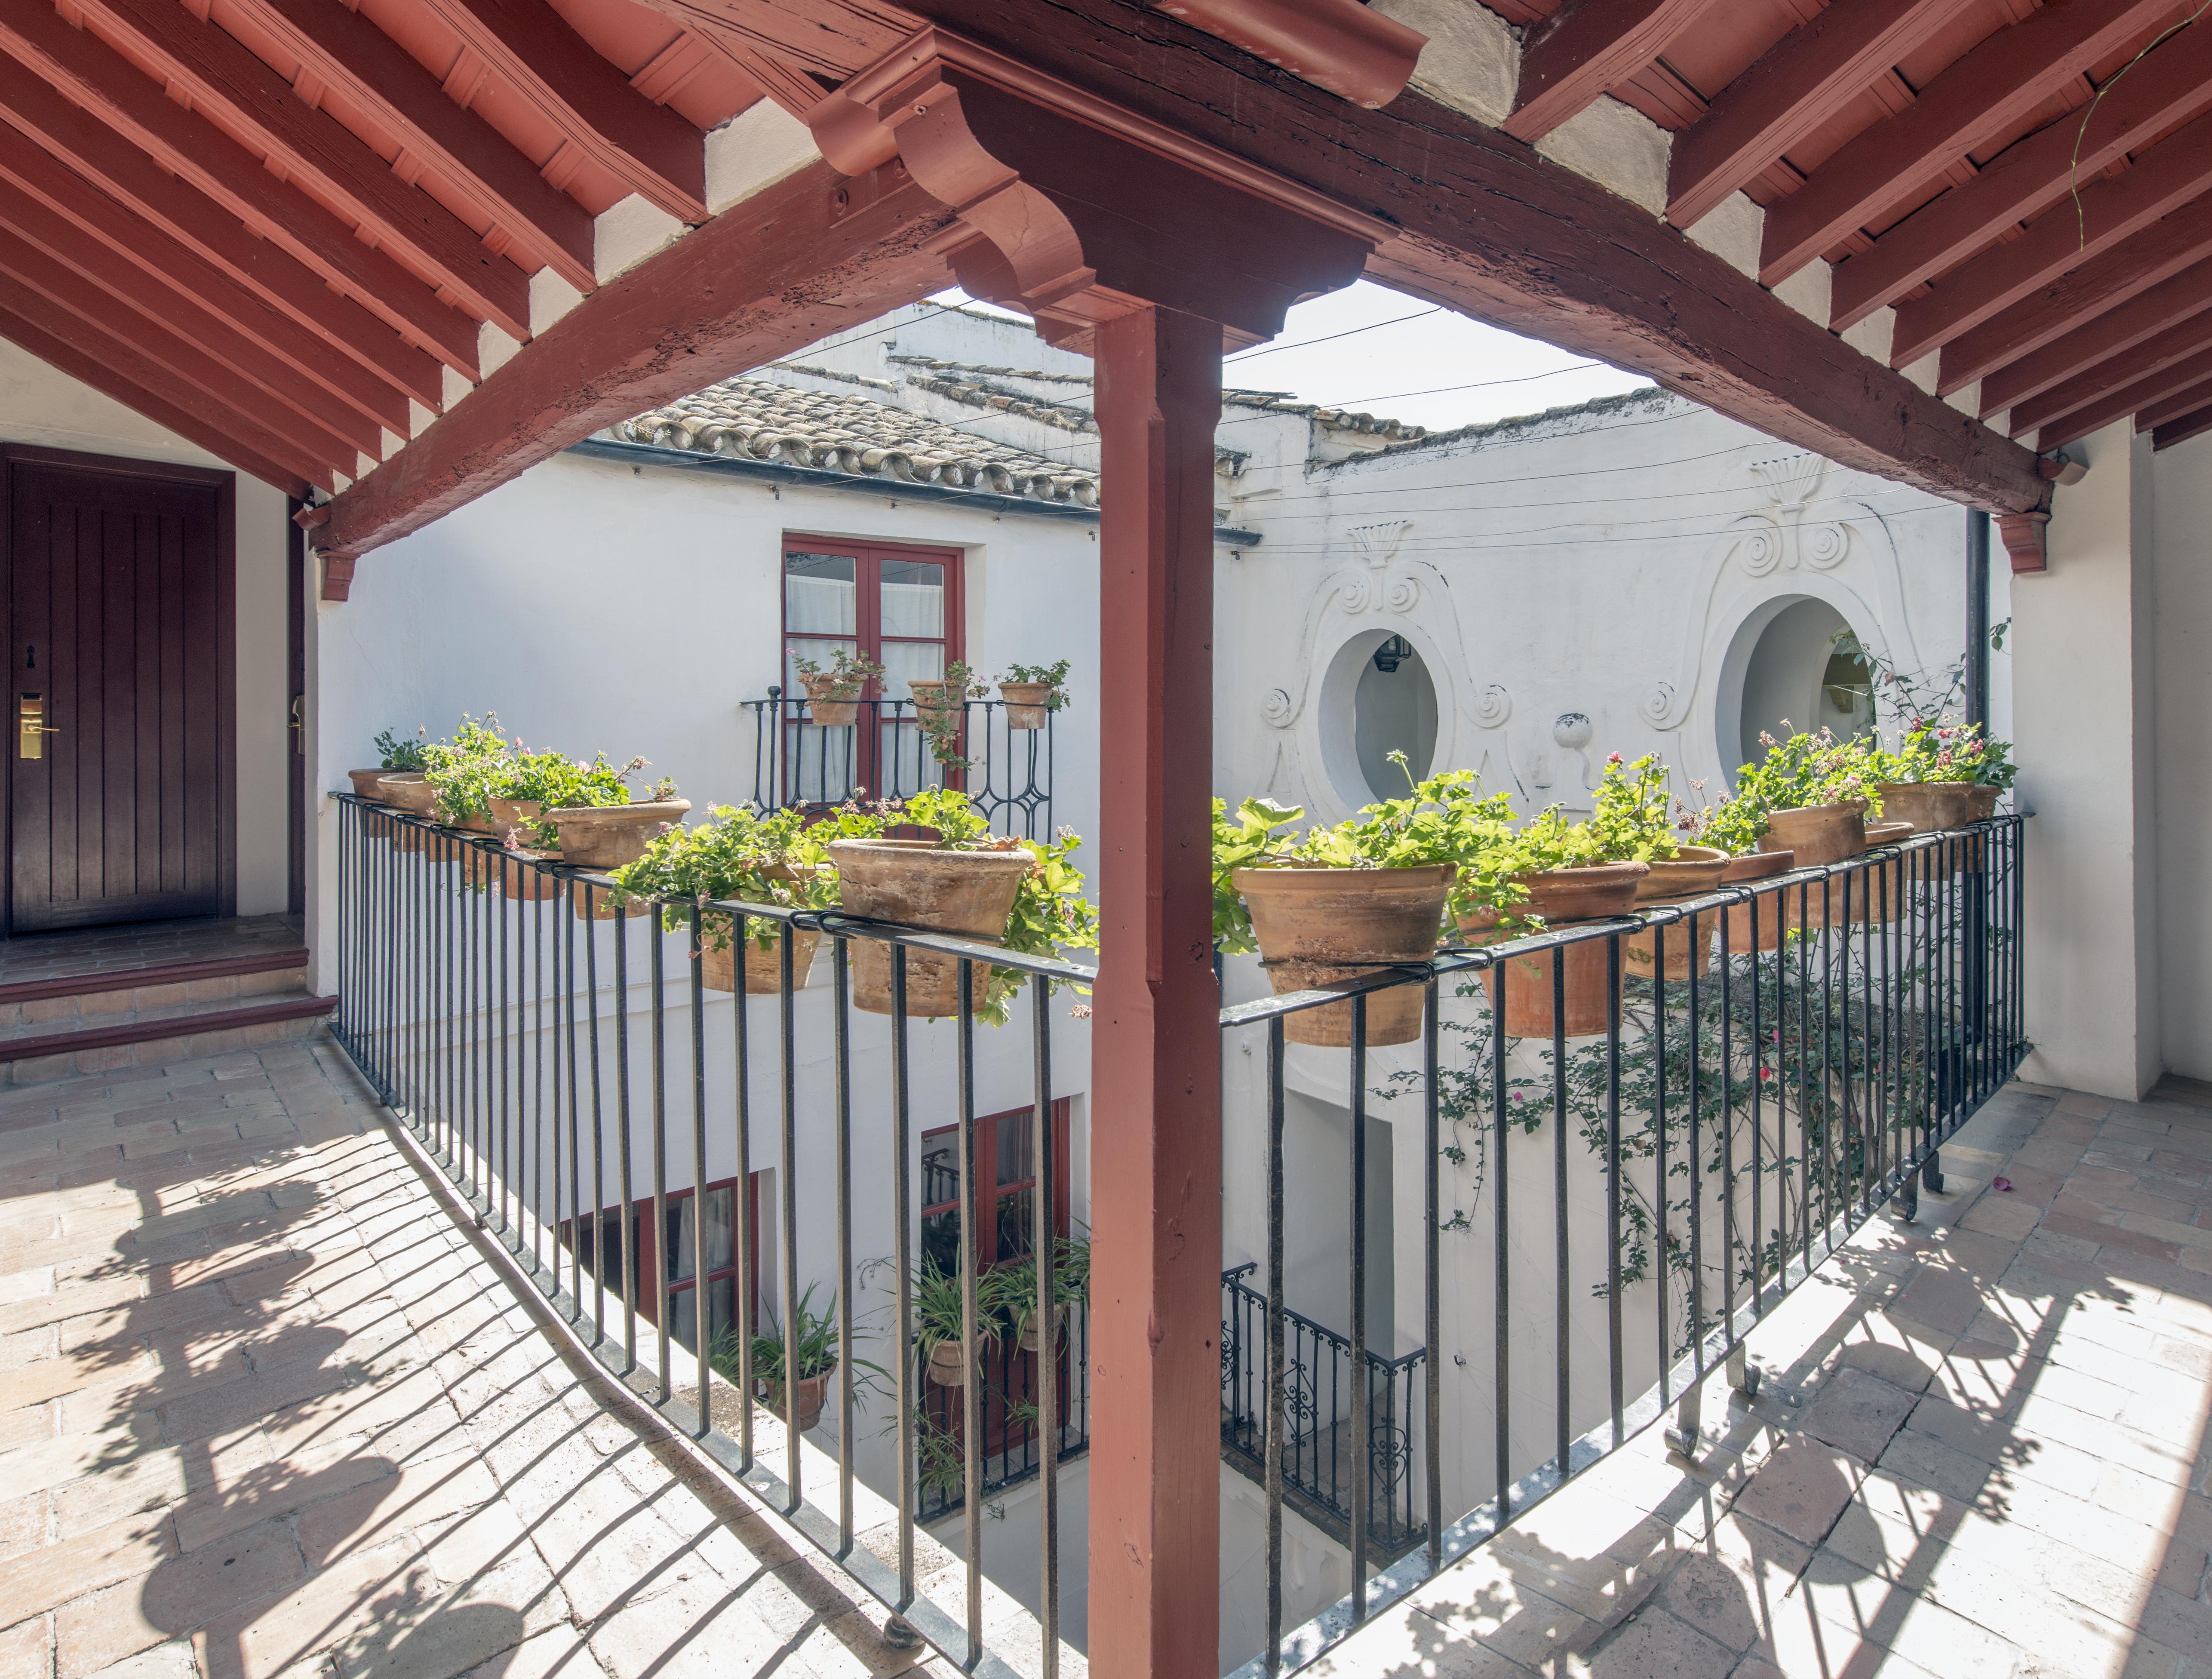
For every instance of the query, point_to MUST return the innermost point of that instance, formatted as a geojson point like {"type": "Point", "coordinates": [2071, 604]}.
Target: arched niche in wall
{"type": "Point", "coordinates": [1377, 696]}
{"type": "Point", "coordinates": [1780, 665]}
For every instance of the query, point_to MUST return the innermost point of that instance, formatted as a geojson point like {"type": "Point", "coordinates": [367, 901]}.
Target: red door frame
{"type": "Point", "coordinates": [224, 483]}
{"type": "Point", "coordinates": [648, 1253]}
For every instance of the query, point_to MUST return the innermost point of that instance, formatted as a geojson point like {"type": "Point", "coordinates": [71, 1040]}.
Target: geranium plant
{"type": "Point", "coordinates": [1804, 770]}
{"type": "Point", "coordinates": [942, 716]}
{"type": "Point", "coordinates": [847, 673]}
{"type": "Point", "coordinates": [1053, 676]}
{"type": "Point", "coordinates": [734, 855]}
{"type": "Point", "coordinates": [466, 769]}
{"type": "Point", "coordinates": [402, 755]}
{"type": "Point", "coordinates": [1947, 751]}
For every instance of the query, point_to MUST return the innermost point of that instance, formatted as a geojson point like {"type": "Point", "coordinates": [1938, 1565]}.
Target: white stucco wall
{"type": "Point", "coordinates": [44, 407]}
{"type": "Point", "coordinates": [2181, 480]}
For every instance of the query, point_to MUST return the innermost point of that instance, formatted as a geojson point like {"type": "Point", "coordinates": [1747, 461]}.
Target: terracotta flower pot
{"type": "Point", "coordinates": [1025, 704]}
{"type": "Point", "coordinates": [1929, 807]}
{"type": "Point", "coordinates": [1878, 893]}
{"type": "Point", "coordinates": [364, 782]}
{"type": "Point", "coordinates": [1692, 872]}
{"type": "Point", "coordinates": [718, 969]}
{"type": "Point", "coordinates": [912, 883]}
{"type": "Point", "coordinates": [1759, 866]}
{"type": "Point", "coordinates": [603, 905]}
{"type": "Point", "coordinates": [604, 836]}
{"type": "Point", "coordinates": [945, 1366]}
{"type": "Point", "coordinates": [510, 817]}
{"type": "Point", "coordinates": [1818, 834]}
{"type": "Point", "coordinates": [832, 704]}
{"type": "Point", "coordinates": [1981, 805]}
{"type": "Point", "coordinates": [813, 1392]}
{"type": "Point", "coordinates": [1562, 897]}
{"type": "Point", "coordinates": [1031, 1342]}
{"type": "Point", "coordinates": [931, 701]}
{"type": "Point", "coordinates": [410, 791]}
{"type": "Point", "coordinates": [1317, 926]}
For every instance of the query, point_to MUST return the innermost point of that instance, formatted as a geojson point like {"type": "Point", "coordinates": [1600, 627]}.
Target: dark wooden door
{"type": "Point", "coordinates": [114, 600]}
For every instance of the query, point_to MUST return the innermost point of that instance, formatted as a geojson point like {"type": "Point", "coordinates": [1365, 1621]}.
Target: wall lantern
{"type": "Point", "coordinates": [1392, 654]}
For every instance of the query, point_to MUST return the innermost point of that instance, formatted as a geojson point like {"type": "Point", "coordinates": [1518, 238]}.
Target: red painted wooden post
{"type": "Point", "coordinates": [1155, 1047]}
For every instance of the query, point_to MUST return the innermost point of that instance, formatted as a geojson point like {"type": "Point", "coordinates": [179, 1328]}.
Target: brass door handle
{"type": "Point", "coordinates": [31, 731]}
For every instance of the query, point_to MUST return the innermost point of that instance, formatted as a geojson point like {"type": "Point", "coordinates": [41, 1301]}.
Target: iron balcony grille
{"type": "Point", "coordinates": [1720, 1136]}
{"type": "Point", "coordinates": [884, 754]}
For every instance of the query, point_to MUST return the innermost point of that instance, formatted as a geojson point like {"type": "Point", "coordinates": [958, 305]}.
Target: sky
{"type": "Point", "coordinates": [1381, 352]}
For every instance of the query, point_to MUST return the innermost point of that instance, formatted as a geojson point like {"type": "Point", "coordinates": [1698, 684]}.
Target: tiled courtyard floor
{"type": "Point", "coordinates": [1978, 1451]}
{"type": "Point", "coordinates": [265, 1410]}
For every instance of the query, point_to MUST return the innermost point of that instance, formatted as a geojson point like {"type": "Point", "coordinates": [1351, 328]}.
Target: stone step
{"type": "Point", "coordinates": [59, 1027]}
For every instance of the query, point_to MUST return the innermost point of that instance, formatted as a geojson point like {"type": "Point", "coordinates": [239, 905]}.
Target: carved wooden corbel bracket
{"type": "Point", "coordinates": [2023, 536]}
{"type": "Point", "coordinates": [1075, 211]}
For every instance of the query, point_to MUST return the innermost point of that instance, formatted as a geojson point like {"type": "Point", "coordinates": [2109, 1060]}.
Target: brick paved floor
{"type": "Point", "coordinates": [1978, 1452]}
{"type": "Point", "coordinates": [264, 1410]}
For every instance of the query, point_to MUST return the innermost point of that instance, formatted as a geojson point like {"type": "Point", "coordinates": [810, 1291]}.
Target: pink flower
{"type": "Point", "coordinates": [1766, 1072]}
{"type": "Point", "coordinates": [1612, 758]}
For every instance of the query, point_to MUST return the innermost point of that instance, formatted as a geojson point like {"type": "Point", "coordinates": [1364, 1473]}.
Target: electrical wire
{"type": "Point", "coordinates": [1259, 350]}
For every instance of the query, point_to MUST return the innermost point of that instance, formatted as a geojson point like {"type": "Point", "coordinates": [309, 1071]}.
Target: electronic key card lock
{"type": "Point", "coordinates": [31, 730]}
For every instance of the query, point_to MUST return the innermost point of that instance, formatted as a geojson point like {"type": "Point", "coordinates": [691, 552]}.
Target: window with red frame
{"type": "Point", "coordinates": [683, 1283]}
{"type": "Point", "coordinates": [1006, 1177]}
{"type": "Point", "coordinates": [896, 605]}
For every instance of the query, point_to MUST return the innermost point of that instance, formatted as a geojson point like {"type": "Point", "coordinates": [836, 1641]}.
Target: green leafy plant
{"type": "Point", "coordinates": [735, 853]}
{"type": "Point", "coordinates": [1947, 751]}
{"type": "Point", "coordinates": [466, 770]}
{"type": "Point", "coordinates": [941, 721]}
{"type": "Point", "coordinates": [1013, 1284]}
{"type": "Point", "coordinates": [937, 1307]}
{"type": "Point", "coordinates": [1803, 770]}
{"type": "Point", "coordinates": [1902, 698]}
{"type": "Point", "coordinates": [1254, 840]}
{"type": "Point", "coordinates": [402, 757]}
{"type": "Point", "coordinates": [847, 673]}
{"type": "Point", "coordinates": [1055, 673]}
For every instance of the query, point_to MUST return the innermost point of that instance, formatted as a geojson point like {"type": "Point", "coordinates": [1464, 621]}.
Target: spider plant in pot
{"type": "Point", "coordinates": [833, 696]}
{"type": "Point", "coordinates": [1023, 895]}
{"type": "Point", "coordinates": [817, 1360]}
{"type": "Point", "coordinates": [940, 707]}
{"type": "Point", "coordinates": [1337, 902]}
{"type": "Point", "coordinates": [394, 757]}
{"type": "Point", "coordinates": [774, 860]}
{"type": "Point", "coordinates": [1014, 1289]}
{"type": "Point", "coordinates": [937, 1319]}
{"type": "Point", "coordinates": [1033, 692]}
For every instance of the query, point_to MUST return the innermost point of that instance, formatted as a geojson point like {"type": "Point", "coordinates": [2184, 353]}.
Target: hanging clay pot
{"type": "Point", "coordinates": [526, 883]}
{"type": "Point", "coordinates": [1981, 805]}
{"type": "Point", "coordinates": [364, 782]}
{"type": "Point", "coordinates": [945, 1366]}
{"type": "Point", "coordinates": [1561, 897]}
{"type": "Point", "coordinates": [1693, 872]}
{"type": "Point", "coordinates": [1025, 704]}
{"type": "Point", "coordinates": [718, 969]}
{"type": "Point", "coordinates": [1878, 891]}
{"type": "Point", "coordinates": [832, 704]}
{"type": "Point", "coordinates": [604, 836]}
{"type": "Point", "coordinates": [1929, 807]}
{"type": "Point", "coordinates": [912, 883]}
{"type": "Point", "coordinates": [813, 1393]}
{"type": "Point", "coordinates": [1317, 926]}
{"type": "Point", "coordinates": [410, 791]}
{"type": "Point", "coordinates": [1817, 834]}
{"type": "Point", "coordinates": [1759, 866]}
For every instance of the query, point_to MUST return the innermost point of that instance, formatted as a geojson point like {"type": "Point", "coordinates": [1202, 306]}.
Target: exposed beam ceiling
{"type": "Point", "coordinates": [1584, 49]}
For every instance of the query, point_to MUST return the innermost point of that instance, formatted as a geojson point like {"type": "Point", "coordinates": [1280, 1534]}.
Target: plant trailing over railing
{"type": "Point", "coordinates": [940, 707]}
{"type": "Point", "coordinates": [777, 858]}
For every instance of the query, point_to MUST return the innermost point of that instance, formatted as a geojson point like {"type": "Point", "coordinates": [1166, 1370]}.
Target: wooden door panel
{"type": "Point", "coordinates": [113, 595]}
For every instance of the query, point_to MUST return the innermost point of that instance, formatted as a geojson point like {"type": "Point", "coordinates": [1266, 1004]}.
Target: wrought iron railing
{"type": "Point", "coordinates": [562, 1063]}
{"type": "Point", "coordinates": [1713, 1136]}
{"type": "Point", "coordinates": [884, 753]}
{"type": "Point", "coordinates": [1321, 1455]}
{"type": "Point", "coordinates": [1685, 1161]}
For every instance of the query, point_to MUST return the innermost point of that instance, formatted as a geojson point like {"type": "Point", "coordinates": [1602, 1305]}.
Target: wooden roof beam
{"type": "Point", "coordinates": [771, 274]}
{"type": "Point", "coordinates": [84, 337]}
{"type": "Point", "coordinates": [649, 148]}
{"type": "Point", "coordinates": [2184, 296]}
{"type": "Point", "coordinates": [2117, 273]}
{"type": "Point", "coordinates": [2153, 355]}
{"type": "Point", "coordinates": [2182, 400]}
{"type": "Point", "coordinates": [1586, 48]}
{"type": "Point", "coordinates": [2182, 429]}
{"type": "Point", "coordinates": [1799, 83]}
{"type": "Point", "coordinates": [167, 264]}
{"type": "Point", "coordinates": [188, 420]}
{"type": "Point", "coordinates": [118, 168]}
{"type": "Point", "coordinates": [2171, 85]}
{"type": "Point", "coordinates": [2138, 398]}
{"type": "Point", "coordinates": [51, 252]}
{"type": "Point", "coordinates": [2110, 209]}
{"type": "Point", "coordinates": [223, 78]}
{"type": "Point", "coordinates": [346, 49]}
{"type": "Point", "coordinates": [186, 144]}
{"type": "Point", "coordinates": [1997, 82]}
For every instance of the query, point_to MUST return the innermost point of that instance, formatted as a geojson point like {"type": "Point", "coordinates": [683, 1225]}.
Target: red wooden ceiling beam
{"type": "Point", "coordinates": [2172, 85]}
{"type": "Point", "coordinates": [48, 250]}
{"type": "Point", "coordinates": [346, 49]}
{"type": "Point", "coordinates": [826, 38]}
{"type": "Point", "coordinates": [647, 147]}
{"type": "Point", "coordinates": [188, 145]}
{"type": "Point", "coordinates": [124, 175]}
{"type": "Point", "coordinates": [1344, 46]}
{"type": "Point", "coordinates": [70, 328]}
{"type": "Point", "coordinates": [1586, 48]}
{"type": "Point", "coordinates": [1997, 82]}
{"type": "Point", "coordinates": [2181, 430]}
{"type": "Point", "coordinates": [2136, 397]}
{"type": "Point", "coordinates": [189, 421]}
{"type": "Point", "coordinates": [2185, 399]}
{"type": "Point", "coordinates": [2165, 305]}
{"type": "Point", "coordinates": [2154, 355]}
{"type": "Point", "coordinates": [2065, 237]}
{"type": "Point", "coordinates": [1800, 82]}
{"type": "Point", "coordinates": [311, 148]}
{"type": "Point", "coordinates": [166, 265]}
{"type": "Point", "coordinates": [2105, 281]}
{"type": "Point", "coordinates": [765, 277]}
